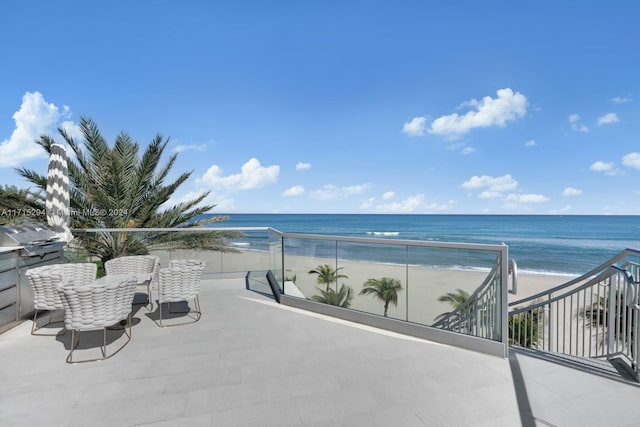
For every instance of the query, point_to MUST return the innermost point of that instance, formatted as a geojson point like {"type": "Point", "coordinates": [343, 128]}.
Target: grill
{"type": "Point", "coordinates": [21, 248]}
{"type": "Point", "coordinates": [33, 239]}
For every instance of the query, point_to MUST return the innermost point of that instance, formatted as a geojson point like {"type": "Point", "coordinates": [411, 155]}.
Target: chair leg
{"type": "Point", "coordinates": [197, 305]}
{"type": "Point", "coordinates": [35, 327]}
{"type": "Point", "coordinates": [149, 297]}
{"type": "Point", "coordinates": [74, 344]}
{"type": "Point", "coordinates": [35, 321]}
{"type": "Point", "coordinates": [195, 311]}
{"type": "Point", "coordinates": [103, 347]}
{"type": "Point", "coordinates": [149, 304]}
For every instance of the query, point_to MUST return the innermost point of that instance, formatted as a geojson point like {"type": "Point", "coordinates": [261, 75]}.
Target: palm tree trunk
{"type": "Point", "coordinates": [386, 307]}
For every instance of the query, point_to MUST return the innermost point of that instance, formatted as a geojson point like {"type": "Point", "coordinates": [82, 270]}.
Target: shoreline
{"type": "Point", "coordinates": [526, 272]}
{"type": "Point", "coordinates": [421, 285]}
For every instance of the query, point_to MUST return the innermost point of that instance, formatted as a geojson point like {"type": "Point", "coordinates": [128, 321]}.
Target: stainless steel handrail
{"type": "Point", "coordinates": [594, 316]}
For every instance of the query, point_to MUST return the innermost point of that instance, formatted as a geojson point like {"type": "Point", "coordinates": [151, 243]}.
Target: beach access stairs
{"type": "Point", "coordinates": [591, 321]}
{"type": "Point", "coordinates": [479, 314]}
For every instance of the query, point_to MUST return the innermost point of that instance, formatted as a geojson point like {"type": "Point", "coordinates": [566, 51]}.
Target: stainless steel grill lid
{"type": "Point", "coordinates": [32, 238]}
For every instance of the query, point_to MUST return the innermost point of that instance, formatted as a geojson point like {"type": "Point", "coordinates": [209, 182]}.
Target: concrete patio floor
{"type": "Point", "coordinates": [252, 362]}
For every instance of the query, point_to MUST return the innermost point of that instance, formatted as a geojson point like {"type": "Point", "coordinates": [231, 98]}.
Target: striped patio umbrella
{"type": "Point", "coordinates": [57, 203]}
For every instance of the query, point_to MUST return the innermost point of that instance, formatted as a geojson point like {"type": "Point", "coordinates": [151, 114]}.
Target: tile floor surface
{"type": "Point", "coordinates": [251, 362]}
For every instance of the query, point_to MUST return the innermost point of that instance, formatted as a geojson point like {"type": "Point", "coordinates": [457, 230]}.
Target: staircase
{"type": "Point", "coordinates": [591, 321]}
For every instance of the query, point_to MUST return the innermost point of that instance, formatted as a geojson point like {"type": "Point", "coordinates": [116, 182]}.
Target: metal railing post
{"type": "Point", "coordinates": [611, 312]}
{"type": "Point", "coordinates": [406, 275]}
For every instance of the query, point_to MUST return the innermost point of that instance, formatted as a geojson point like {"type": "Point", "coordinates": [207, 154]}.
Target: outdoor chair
{"type": "Point", "coordinates": [44, 281]}
{"type": "Point", "coordinates": [180, 282]}
{"type": "Point", "coordinates": [145, 267]}
{"type": "Point", "coordinates": [96, 306]}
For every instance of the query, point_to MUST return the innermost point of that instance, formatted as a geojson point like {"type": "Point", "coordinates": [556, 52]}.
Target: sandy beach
{"type": "Point", "coordinates": [417, 302]}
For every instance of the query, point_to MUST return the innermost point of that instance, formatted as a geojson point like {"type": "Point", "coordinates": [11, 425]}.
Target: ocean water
{"type": "Point", "coordinates": [543, 244]}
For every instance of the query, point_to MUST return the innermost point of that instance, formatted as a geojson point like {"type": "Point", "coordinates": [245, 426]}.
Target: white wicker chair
{"type": "Point", "coordinates": [97, 306]}
{"type": "Point", "coordinates": [181, 282]}
{"type": "Point", "coordinates": [145, 266]}
{"type": "Point", "coordinates": [44, 281]}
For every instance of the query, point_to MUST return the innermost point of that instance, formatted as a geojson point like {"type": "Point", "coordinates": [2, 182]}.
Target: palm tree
{"type": "Point", "coordinates": [342, 298]}
{"type": "Point", "coordinates": [385, 289]}
{"type": "Point", "coordinates": [523, 329]}
{"type": "Point", "coordinates": [455, 299]}
{"type": "Point", "coordinates": [327, 275]}
{"type": "Point", "coordinates": [623, 316]}
{"type": "Point", "coordinates": [118, 188]}
{"type": "Point", "coordinates": [18, 205]}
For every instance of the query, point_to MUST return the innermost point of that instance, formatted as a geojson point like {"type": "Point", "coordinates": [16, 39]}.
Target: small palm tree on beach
{"type": "Point", "coordinates": [327, 275]}
{"type": "Point", "coordinates": [385, 289]}
{"type": "Point", "coordinates": [342, 298]}
{"type": "Point", "coordinates": [623, 317]}
{"type": "Point", "coordinates": [455, 299]}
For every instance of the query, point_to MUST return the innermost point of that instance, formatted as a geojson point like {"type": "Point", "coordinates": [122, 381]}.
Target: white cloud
{"type": "Point", "coordinates": [183, 147]}
{"type": "Point", "coordinates": [410, 204]}
{"type": "Point", "coordinates": [221, 203]}
{"type": "Point", "coordinates": [72, 129]}
{"type": "Point", "coordinates": [489, 195]}
{"type": "Point", "coordinates": [608, 119]}
{"type": "Point", "coordinates": [530, 143]}
{"type": "Point", "coordinates": [570, 191]}
{"type": "Point", "coordinates": [302, 166]}
{"type": "Point", "coordinates": [527, 198]}
{"type": "Point", "coordinates": [416, 127]}
{"type": "Point", "coordinates": [331, 192]}
{"type": "Point", "coordinates": [507, 106]}
{"type": "Point", "coordinates": [368, 203]}
{"type": "Point", "coordinates": [631, 160]}
{"type": "Point", "coordinates": [606, 168]}
{"type": "Point", "coordinates": [564, 209]}
{"type": "Point", "coordinates": [388, 195]}
{"type": "Point", "coordinates": [253, 175]}
{"type": "Point", "coordinates": [468, 150]}
{"type": "Point", "coordinates": [574, 119]}
{"type": "Point", "coordinates": [621, 99]}
{"type": "Point", "coordinates": [433, 207]}
{"type": "Point", "coordinates": [224, 204]}
{"type": "Point", "coordinates": [34, 118]}
{"type": "Point", "coordinates": [455, 146]}
{"type": "Point", "coordinates": [493, 184]}
{"type": "Point", "coordinates": [601, 166]}
{"type": "Point", "coordinates": [296, 190]}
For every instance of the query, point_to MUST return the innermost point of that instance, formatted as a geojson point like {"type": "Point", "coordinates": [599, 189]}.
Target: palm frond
{"type": "Point", "coordinates": [120, 180]}
{"type": "Point", "coordinates": [342, 298]}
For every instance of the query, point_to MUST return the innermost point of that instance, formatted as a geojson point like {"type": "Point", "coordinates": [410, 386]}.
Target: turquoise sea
{"type": "Point", "coordinates": [547, 244]}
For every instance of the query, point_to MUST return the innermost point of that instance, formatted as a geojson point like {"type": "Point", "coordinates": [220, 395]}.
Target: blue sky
{"type": "Point", "coordinates": [343, 106]}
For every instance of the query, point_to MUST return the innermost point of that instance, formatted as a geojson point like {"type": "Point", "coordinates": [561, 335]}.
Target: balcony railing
{"type": "Point", "coordinates": [449, 292]}
{"type": "Point", "coordinates": [594, 317]}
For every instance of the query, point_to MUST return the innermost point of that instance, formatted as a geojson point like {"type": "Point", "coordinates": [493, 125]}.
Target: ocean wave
{"type": "Point", "coordinates": [530, 272]}
{"type": "Point", "coordinates": [384, 233]}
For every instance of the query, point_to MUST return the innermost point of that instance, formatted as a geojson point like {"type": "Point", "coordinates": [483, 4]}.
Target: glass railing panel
{"type": "Point", "coordinates": [381, 270]}
{"type": "Point", "coordinates": [455, 289]}
{"type": "Point", "coordinates": [243, 251]}
{"type": "Point", "coordinates": [76, 253]}
{"type": "Point", "coordinates": [276, 259]}
{"type": "Point", "coordinates": [302, 255]}
{"type": "Point", "coordinates": [248, 252]}
{"type": "Point", "coordinates": [257, 282]}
